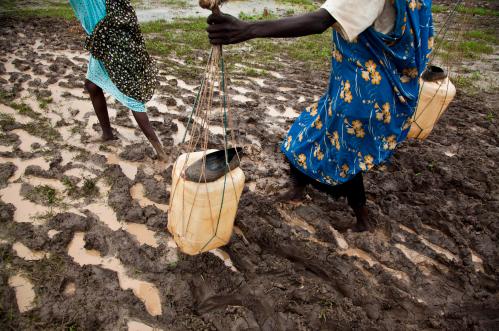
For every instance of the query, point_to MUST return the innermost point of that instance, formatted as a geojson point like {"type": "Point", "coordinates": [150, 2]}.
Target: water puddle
{"type": "Point", "coordinates": [178, 136]}
{"type": "Point", "coordinates": [23, 164]}
{"type": "Point", "coordinates": [182, 84]}
{"type": "Point", "coordinates": [143, 235]}
{"type": "Point", "coordinates": [422, 261]}
{"type": "Point", "coordinates": [128, 134]}
{"type": "Point", "coordinates": [363, 255]}
{"type": "Point", "coordinates": [21, 119]}
{"type": "Point", "coordinates": [241, 98]}
{"type": "Point", "coordinates": [225, 258]}
{"type": "Point", "coordinates": [128, 168]}
{"type": "Point", "coordinates": [27, 140]}
{"type": "Point", "coordinates": [137, 192]}
{"type": "Point", "coordinates": [286, 89]}
{"type": "Point", "coordinates": [4, 149]}
{"type": "Point", "coordinates": [52, 233]}
{"type": "Point", "coordinates": [296, 221]}
{"type": "Point", "coordinates": [240, 89]}
{"type": "Point", "coordinates": [162, 107]}
{"type": "Point", "coordinates": [145, 291]}
{"type": "Point", "coordinates": [259, 81]}
{"type": "Point", "coordinates": [192, 9]}
{"type": "Point", "coordinates": [107, 216]}
{"type": "Point", "coordinates": [440, 250]}
{"type": "Point", "coordinates": [67, 157]}
{"type": "Point", "coordinates": [288, 113]}
{"type": "Point", "coordinates": [478, 262]}
{"type": "Point", "coordinates": [359, 253]}
{"type": "Point", "coordinates": [27, 254]}
{"type": "Point", "coordinates": [69, 290]}
{"type": "Point", "coordinates": [39, 181]}
{"type": "Point", "coordinates": [139, 326]}
{"type": "Point", "coordinates": [26, 211]}
{"type": "Point", "coordinates": [340, 240]}
{"type": "Point", "coordinates": [436, 248]}
{"type": "Point", "coordinates": [25, 294]}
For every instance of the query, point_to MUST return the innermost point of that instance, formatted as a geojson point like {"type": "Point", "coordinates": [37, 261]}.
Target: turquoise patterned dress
{"type": "Point", "coordinates": [89, 13]}
{"type": "Point", "coordinates": [367, 109]}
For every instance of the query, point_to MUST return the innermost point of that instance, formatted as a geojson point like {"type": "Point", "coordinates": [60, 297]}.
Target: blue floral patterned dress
{"type": "Point", "coordinates": [89, 13]}
{"type": "Point", "coordinates": [367, 109]}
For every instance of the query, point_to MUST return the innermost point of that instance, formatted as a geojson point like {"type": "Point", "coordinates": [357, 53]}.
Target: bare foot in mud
{"type": "Point", "coordinates": [363, 220]}
{"type": "Point", "coordinates": [104, 139]}
{"type": "Point", "coordinates": [111, 137]}
{"type": "Point", "coordinates": [294, 195]}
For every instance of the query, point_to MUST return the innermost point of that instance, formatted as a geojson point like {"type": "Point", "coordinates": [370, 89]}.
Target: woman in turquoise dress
{"type": "Point", "coordinates": [91, 13]}
{"type": "Point", "coordinates": [379, 50]}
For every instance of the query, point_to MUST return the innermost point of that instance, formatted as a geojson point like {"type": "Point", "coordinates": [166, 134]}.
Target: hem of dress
{"type": "Point", "coordinates": [291, 160]}
{"type": "Point", "coordinates": [143, 108]}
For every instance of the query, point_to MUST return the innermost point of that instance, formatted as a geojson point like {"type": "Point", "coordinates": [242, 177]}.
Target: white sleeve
{"type": "Point", "coordinates": [353, 16]}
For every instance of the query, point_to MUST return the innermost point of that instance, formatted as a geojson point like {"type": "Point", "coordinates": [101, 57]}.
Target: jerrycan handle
{"type": "Point", "coordinates": [433, 74]}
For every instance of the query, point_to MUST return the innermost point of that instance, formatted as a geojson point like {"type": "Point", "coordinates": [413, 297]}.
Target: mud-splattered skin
{"type": "Point", "coordinates": [431, 263]}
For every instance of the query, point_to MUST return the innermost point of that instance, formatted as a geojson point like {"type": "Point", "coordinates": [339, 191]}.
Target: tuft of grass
{"type": "Point", "coordinates": [6, 120]}
{"type": "Point", "coordinates": [90, 188]}
{"type": "Point", "coordinates": [44, 102]}
{"type": "Point", "coordinates": [47, 194]}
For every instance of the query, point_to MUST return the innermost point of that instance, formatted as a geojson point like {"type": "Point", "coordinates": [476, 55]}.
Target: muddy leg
{"type": "Point", "coordinates": [146, 127]}
{"type": "Point", "coordinates": [299, 182]}
{"type": "Point", "coordinates": [100, 108]}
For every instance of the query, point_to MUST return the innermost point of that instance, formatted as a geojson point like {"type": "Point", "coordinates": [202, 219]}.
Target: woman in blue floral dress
{"type": "Point", "coordinates": [379, 50]}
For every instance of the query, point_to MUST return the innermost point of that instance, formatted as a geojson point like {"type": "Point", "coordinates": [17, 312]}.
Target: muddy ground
{"type": "Point", "coordinates": [83, 241]}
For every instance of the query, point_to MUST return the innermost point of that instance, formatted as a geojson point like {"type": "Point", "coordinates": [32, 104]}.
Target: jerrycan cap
{"type": "Point", "coordinates": [215, 165]}
{"type": "Point", "coordinates": [433, 74]}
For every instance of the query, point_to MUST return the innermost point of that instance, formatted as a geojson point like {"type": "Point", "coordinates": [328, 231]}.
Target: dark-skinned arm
{"type": "Point", "coordinates": [226, 29]}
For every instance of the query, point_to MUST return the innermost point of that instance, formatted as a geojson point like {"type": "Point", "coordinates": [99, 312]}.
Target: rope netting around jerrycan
{"type": "Point", "coordinates": [207, 183]}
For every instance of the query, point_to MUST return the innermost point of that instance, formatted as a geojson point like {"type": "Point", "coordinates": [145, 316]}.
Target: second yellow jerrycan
{"type": "Point", "coordinates": [204, 198]}
{"type": "Point", "coordinates": [436, 93]}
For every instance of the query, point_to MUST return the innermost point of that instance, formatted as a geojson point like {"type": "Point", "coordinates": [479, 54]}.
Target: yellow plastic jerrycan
{"type": "Point", "coordinates": [201, 215]}
{"type": "Point", "coordinates": [436, 93]}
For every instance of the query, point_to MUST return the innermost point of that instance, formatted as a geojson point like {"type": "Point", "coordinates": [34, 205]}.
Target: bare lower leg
{"type": "Point", "coordinates": [146, 127]}
{"type": "Point", "coordinates": [356, 197]}
{"type": "Point", "coordinates": [100, 108]}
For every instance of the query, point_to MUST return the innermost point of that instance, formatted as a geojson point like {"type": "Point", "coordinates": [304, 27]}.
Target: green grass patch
{"type": "Point", "coordinates": [481, 11]}
{"type": "Point", "coordinates": [158, 3]}
{"type": "Point", "coordinates": [437, 9]}
{"type": "Point", "coordinates": [466, 81]}
{"type": "Point", "coordinates": [60, 10]}
{"type": "Point", "coordinates": [44, 129]}
{"type": "Point", "coordinates": [488, 36]}
{"type": "Point", "coordinates": [473, 49]}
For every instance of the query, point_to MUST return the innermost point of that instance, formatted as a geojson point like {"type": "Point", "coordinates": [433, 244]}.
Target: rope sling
{"type": "Point", "coordinates": [448, 95]}
{"type": "Point", "coordinates": [211, 105]}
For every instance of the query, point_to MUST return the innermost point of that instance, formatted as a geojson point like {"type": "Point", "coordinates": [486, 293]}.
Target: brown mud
{"type": "Point", "coordinates": [94, 253]}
